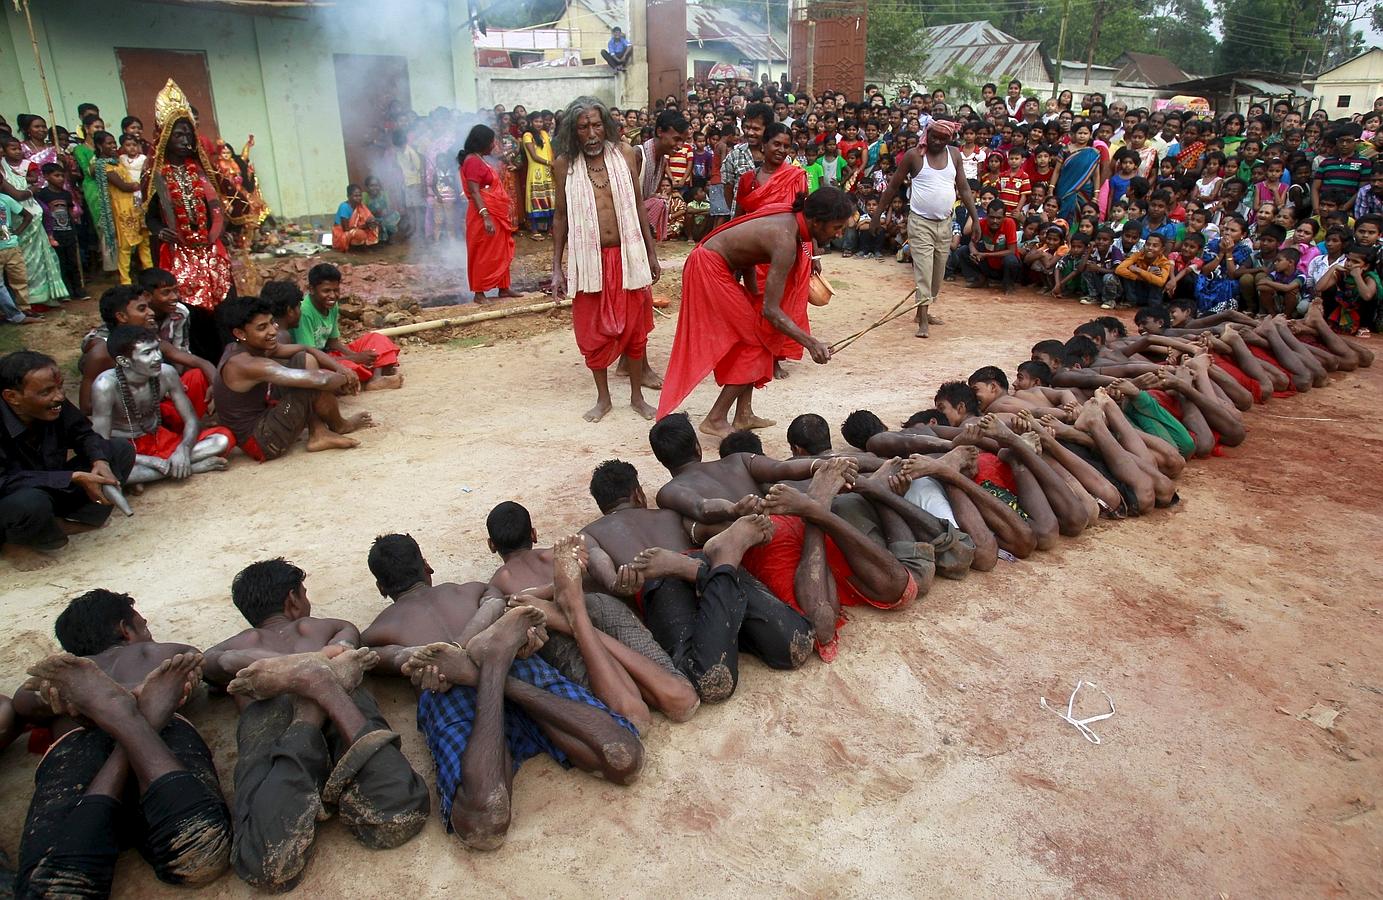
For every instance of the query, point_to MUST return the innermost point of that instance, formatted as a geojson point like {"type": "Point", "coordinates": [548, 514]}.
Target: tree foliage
{"type": "Point", "coordinates": [1273, 35]}
{"type": "Point", "coordinates": [893, 45]}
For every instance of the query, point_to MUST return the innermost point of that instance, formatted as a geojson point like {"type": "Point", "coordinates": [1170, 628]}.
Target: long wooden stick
{"type": "Point", "coordinates": [887, 317]}
{"type": "Point", "coordinates": [474, 317]}
{"type": "Point", "coordinates": [42, 77]}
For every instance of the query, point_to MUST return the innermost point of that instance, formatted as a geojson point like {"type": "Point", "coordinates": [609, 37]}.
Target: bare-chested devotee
{"type": "Point", "coordinates": [721, 325]}
{"type": "Point", "coordinates": [816, 562]}
{"type": "Point", "coordinates": [123, 770]}
{"type": "Point", "coordinates": [305, 381]}
{"type": "Point", "coordinates": [485, 704]}
{"type": "Point", "coordinates": [525, 578]}
{"type": "Point", "coordinates": [599, 220]}
{"type": "Point", "coordinates": [700, 605]}
{"type": "Point", "coordinates": [126, 402]}
{"type": "Point", "coordinates": [311, 740]}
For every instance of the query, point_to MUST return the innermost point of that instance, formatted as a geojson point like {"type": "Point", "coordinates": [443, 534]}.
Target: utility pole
{"type": "Point", "coordinates": [1061, 45]}
{"type": "Point", "coordinates": [1094, 37]}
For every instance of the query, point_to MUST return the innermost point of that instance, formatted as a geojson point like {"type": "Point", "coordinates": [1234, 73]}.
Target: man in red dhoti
{"type": "Point", "coordinates": [600, 216]}
{"type": "Point", "coordinates": [185, 213]}
{"type": "Point", "coordinates": [727, 326]}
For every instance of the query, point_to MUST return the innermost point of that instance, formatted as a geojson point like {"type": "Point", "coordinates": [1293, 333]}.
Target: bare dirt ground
{"type": "Point", "coordinates": [920, 762]}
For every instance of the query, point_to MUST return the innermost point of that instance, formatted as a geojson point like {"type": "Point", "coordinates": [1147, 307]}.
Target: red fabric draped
{"type": "Point", "coordinates": [615, 322]}
{"type": "Point", "coordinates": [720, 325]}
{"type": "Point", "coordinates": [488, 256]}
{"type": "Point", "coordinates": [1239, 375]}
{"type": "Point", "coordinates": [194, 383]}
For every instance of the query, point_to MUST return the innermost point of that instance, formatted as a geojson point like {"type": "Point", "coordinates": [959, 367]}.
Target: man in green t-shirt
{"type": "Point", "coordinates": [372, 356]}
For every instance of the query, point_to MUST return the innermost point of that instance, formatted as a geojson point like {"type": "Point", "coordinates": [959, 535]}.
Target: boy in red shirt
{"type": "Point", "coordinates": [992, 247]}
{"type": "Point", "coordinates": [1014, 187]}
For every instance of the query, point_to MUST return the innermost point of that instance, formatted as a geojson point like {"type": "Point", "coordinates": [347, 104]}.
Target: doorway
{"type": "Point", "coordinates": [144, 72]}
{"type": "Point", "coordinates": [371, 92]}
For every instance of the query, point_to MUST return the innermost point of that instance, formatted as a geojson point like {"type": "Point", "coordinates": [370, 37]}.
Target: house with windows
{"type": "Point", "coordinates": [1351, 87]}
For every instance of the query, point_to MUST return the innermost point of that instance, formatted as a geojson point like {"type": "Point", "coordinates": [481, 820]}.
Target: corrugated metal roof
{"type": "Point", "coordinates": [965, 34]}
{"type": "Point", "coordinates": [611, 12]}
{"type": "Point", "coordinates": [706, 23]}
{"type": "Point", "coordinates": [1272, 90]}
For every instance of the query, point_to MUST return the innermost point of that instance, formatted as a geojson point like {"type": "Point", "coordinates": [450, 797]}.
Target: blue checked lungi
{"type": "Point", "coordinates": [715, 193]}
{"type": "Point", "coordinates": [446, 721]}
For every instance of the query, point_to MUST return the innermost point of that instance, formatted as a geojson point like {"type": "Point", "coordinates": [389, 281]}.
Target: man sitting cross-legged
{"type": "Point", "coordinates": [699, 605]}
{"type": "Point", "coordinates": [484, 704]}
{"type": "Point", "coordinates": [304, 379]}
{"type": "Point", "coordinates": [126, 404]}
{"type": "Point", "coordinates": [311, 740]}
{"type": "Point", "coordinates": [600, 618]}
{"type": "Point", "coordinates": [124, 770]}
{"type": "Point", "coordinates": [804, 569]}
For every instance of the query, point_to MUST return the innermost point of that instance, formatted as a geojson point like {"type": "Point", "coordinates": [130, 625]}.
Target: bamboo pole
{"type": "Point", "coordinates": [488, 316]}
{"type": "Point", "coordinates": [42, 76]}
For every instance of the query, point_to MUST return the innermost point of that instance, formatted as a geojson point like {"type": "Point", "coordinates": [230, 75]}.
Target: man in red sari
{"type": "Point", "coordinates": [185, 213]}
{"type": "Point", "coordinates": [489, 216]}
{"type": "Point", "coordinates": [600, 216]}
{"type": "Point", "coordinates": [777, 181]}
{"type": "Point", "coordinates": [730, 328]}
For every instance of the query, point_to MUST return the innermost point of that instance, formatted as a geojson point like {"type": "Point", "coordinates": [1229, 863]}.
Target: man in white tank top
{"type": "Point", "coordinates": [937, 179]}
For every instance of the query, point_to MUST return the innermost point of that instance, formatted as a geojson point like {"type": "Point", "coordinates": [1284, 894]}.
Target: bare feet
{"type": "Point", "coordinates": [729, 547]}
{"type": "Point", "coordinates": [302, 674]}
{"type": "Point", "coordinates": [642, 407]}
{"type": "Point", "coordinates": [779, 373]}
{"type": "Point", "coordinates": [752, 423]}
{"type": "Point", "coordinates": [997, 430]}
{"type": "Point", "coordinates": [719, 428]}
{"type": "Point", "coordinates": [556, 619]}
{"type": "Point", "coordinates": [964, 459]}
{"type": "Point", "coordinates": [326, 439]}
{"type": "Point", "coordinates": [351, 664]}
{"type": "Point", "coordinates": [76, 686]}
{"type": "Point", "coordinates": [440, 666]}
{"type": "Point", "coordinates": [356, 422]}
{"type": "Point", "coordinates": [568, 557]}
{"type": "Point", "coordinates": [651, 379]}
{"type": "Point", "coordinates": [599, 411]}
{"type": "Point", "coordinates": [384, 383]}
{"type": "Point", "coordinates": [167, 688]}
{"type": "Point", "coordinates": [786, 500]}
{"type": "Point", "coordinates": [657, 562]}
{"type": "Point", "coordinates": [969, 434]}
{"type": "Point", "coordinates": [1060, 429]}
{"type": "Point", "coordinates": [1125, 388]}
{"type": "Point", "coordinates": [510, 633]}
{"type": "Point", "coordinates": [884, 480]}
{"type": "Point", "coordinates": [510, 293]}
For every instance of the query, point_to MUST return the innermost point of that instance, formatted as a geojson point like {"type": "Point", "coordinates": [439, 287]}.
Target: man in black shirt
{"type": "Point", "coordinates": [39, 430]}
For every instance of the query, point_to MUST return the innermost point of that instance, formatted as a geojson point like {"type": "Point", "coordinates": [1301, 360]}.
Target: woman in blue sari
{"type": "Point", "coordinates": [1078, 179]}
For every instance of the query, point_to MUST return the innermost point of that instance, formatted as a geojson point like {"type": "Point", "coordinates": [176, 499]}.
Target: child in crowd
{"type": "Point", "coordinates": [62, 218]}
{"type": "Point", "coordinates": [698, 214]}
{"type": "Point", "coordinates": [1145, 273]}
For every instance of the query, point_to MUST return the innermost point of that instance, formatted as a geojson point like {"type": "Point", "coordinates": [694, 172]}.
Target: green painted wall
{"type": "Point", "coordinates": [271, 76]}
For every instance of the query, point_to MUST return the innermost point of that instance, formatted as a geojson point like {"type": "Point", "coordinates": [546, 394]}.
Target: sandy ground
{"type": "Point", "coordinates": [920, 762]}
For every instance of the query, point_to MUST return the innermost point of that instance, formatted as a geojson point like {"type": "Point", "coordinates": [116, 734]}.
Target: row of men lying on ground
{"type": "Point", "coordinates": [860, 528]}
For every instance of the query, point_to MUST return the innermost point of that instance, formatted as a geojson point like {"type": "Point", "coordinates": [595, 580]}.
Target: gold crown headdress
{"type": "Point", "coordinates": [171, 105]}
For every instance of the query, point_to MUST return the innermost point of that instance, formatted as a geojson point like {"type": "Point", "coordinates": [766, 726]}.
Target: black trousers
{"type": "Point", "coordinates": [71, 841]}
{"type": "Point", "coordinates": [205, 336]}
{"type": "Point", "coordinates": [290, 774]}
{"type": "Point", "coordinates": [704, 626]}
{"type": "Point", "coordinates": [29, 515]}
{"type": "Point", "coordinates": [70, 259]}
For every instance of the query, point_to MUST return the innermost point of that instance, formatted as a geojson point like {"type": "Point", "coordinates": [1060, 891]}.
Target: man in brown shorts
{"type": "Point", "coordinates": [304, 380]}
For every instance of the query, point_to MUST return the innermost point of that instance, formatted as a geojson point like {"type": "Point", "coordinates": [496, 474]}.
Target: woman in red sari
{"type": "Point", "coordinates": [489, 215]}
{"type": "Point", "coordinates": [777, 181]}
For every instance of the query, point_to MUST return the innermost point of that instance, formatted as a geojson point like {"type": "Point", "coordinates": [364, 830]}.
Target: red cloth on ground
{"type": "Point", "coordinates": [1239, 375]}
{"type": "Point", "coordinates": [1267, 357]}
{"type": "Point", "coordinates": [615, 322]}
{"type": "Point", "coordinates": [194, 383]}
{"type": "Point", "coordinates": [386, 354]}
{"type": "Point", "coordinates": [488, 256]}
{"type": "Point", "coordinates": [163, 442]}
{"type": "Point", "coordinates": [775, 564]}
{"type": "Point", "coordinates": [720, 325]}
{"type": "Point", "coordinates": [782, 188]}
{"type": "Point", "coordinates": [989, 467]}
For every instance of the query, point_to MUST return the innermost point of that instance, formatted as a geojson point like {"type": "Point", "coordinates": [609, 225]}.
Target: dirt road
{"type": "Point", "coordinates": [920, 762]}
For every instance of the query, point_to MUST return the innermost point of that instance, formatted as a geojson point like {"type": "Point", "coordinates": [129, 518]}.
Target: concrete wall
{"type": "Point", "coordinates": [546, 88]}
{"type": "Point", "coordinates": [1361, 80]}
{"type": "Point", "coordinates": [718, 52]}
{"type": "Point", "coordinates": [271, 76]}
